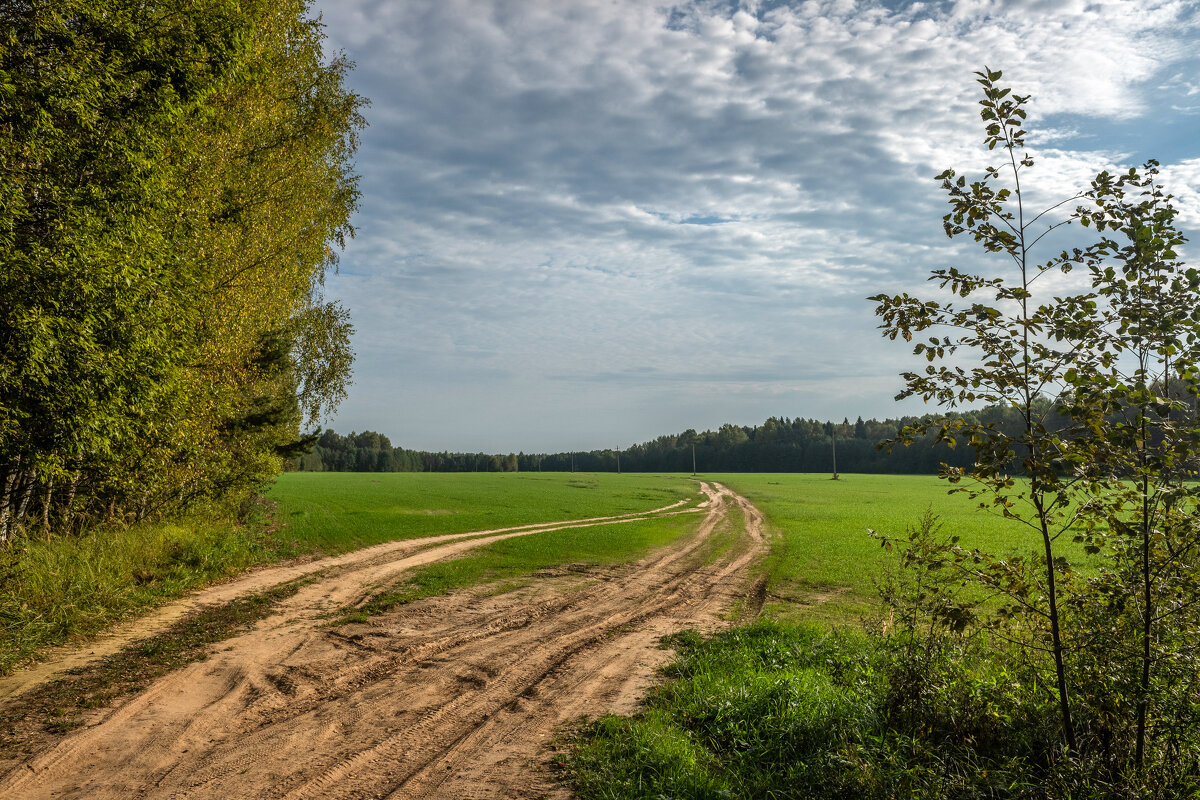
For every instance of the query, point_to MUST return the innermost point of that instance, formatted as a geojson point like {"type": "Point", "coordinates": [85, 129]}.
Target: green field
{"type": "Point", "coordinates": [338, 511]}
{"type": "Point", "coordinates": [824, 564]}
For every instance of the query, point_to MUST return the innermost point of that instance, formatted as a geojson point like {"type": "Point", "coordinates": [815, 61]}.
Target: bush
{"type": "Point", "coordinates": [783, 711]}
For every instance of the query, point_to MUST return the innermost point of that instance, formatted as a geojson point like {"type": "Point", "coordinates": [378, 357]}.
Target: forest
{"type": "Point", "coordinates": [779, 444]}
{"type": "Point", "coordinates": [175, 180]}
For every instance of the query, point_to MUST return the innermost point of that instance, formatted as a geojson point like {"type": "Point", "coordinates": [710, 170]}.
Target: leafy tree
{"type": "Point", "coordinates": [1099, 378]}
{"type": "Point", "coordinates": [1137, 442]}
{"type": "Point", "coordinates": [172, 179]}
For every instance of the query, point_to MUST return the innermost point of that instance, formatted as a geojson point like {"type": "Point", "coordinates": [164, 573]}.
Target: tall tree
{"type": "Point", "coordinates": [172, 180]}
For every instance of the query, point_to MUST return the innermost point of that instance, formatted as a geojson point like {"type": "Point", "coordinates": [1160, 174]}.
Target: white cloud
{"type": "Point", "coordinates": [619, 199]}
{"type": "Point", "coordinates": [1182, 179]}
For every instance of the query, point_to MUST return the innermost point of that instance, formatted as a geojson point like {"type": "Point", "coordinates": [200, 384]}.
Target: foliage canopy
{"type": "Point", "coordinates": [174, 178]}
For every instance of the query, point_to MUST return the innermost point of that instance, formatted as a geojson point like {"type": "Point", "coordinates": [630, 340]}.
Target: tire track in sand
{"type": "Point", "coordinates": [449, 697]}
{"type": "Point", "coordinates": [67, 658]}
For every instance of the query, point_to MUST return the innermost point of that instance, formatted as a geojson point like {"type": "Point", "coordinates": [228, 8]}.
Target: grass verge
{"type": "Point", "coordinates": [55, 588]}
{"type": "Point", "coordinates": [827, 709]}
{"type": "Point", "coordinates": [742, 716]}
{"type": "Point", "coordinates": [512, 563]}
{"type": "Point", "coordinates": [801, 712]}
{"type": "Point", "coordinates": [779, 711]}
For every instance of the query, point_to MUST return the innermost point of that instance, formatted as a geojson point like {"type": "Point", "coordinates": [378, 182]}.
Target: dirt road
{"type": "Point", "coordinates": [451, 697]}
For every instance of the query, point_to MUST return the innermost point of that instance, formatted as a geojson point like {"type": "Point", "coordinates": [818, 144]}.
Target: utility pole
{"type": "Point", "coordinates": [833, 439]}
{"type": "Point", "coordinates": [618, 461]}
{"type": "Point", "coordinates": [693, 461]}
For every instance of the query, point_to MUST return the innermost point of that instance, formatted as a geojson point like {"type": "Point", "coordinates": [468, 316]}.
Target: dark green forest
{"type": "Point", "coordinates": [778, 445]}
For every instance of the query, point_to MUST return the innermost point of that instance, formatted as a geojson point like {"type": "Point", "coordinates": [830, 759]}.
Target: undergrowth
{"type": "Point", "coordinates": [784, 711]}
{"type": "Point", "coordinates": [54, 588]}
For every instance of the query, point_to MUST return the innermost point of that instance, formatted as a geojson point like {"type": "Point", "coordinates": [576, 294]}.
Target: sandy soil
{"type": "Point", "coordinates": [391, 556]}
{"type": "Point", "coordinates": [454, 697]}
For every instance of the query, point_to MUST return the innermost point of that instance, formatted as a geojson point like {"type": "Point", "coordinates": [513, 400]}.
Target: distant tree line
{"type": "Point", "coordinates": [373, 452]}
{"type": "Point", "coordinates": [778, 445]}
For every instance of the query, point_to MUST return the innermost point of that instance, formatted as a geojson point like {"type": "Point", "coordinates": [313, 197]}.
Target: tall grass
{"type": "Point", "coordinates": [761, 711]}
{"type": "Point", "coordinates": [53, 588]}
{"type": "Point", "coordinates": [776, 711]}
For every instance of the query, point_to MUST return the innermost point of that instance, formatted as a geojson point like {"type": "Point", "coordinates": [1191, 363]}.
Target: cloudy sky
{"type": "Point", "coordinates": [586, 223]}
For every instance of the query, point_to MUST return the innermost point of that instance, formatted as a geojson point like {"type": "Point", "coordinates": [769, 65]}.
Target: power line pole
{"type": "Point", "coordinates": [618, 462]}
{"type": "Point", "coordinates": [833, 439]}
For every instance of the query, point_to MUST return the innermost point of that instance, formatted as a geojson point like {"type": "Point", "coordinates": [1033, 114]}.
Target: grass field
{"type": "Point", "coordinates": [338, 511]}
{"type": "Point", "coordinates": [825, 565]}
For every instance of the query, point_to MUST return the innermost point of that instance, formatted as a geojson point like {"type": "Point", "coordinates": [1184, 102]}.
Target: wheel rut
{"type": "Point", "coordinates": [453, 696]}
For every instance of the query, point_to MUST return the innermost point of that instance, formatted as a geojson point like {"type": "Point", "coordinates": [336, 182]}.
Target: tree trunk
{"type": "Point", "coordinates": [1060, 670]}
{"type": "Point", "coordinates": [27, 484]}
{"type": "Point", "coordinates": [6, 494]}
{"type": "Point", "coordinates": [46, 499]}
{"type": "Point", "coordinates": [68, 510]}
{"type": "Point", "coordinates": [1147, 621]}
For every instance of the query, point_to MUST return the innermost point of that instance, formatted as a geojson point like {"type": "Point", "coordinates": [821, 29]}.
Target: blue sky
{"type": "Point", "coordinates": [588, 223]}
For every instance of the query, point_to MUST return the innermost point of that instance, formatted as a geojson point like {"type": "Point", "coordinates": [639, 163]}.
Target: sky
{"type": "Point", "coordinates": [587, 223]}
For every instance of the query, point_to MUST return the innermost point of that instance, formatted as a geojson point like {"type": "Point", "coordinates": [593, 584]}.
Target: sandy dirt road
{"type": "Point", "coordinates": [450, 697]}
